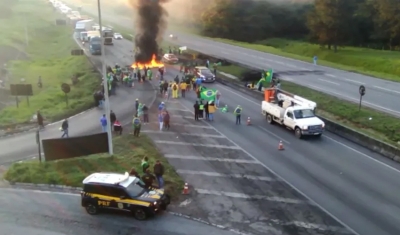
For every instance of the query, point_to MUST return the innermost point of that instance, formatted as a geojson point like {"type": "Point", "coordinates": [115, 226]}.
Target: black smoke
{"type": "Point", "coordinates": [150, 25]}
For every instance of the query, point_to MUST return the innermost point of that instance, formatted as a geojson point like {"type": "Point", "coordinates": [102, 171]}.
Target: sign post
{"type": "Point", "coordinates": [38, 143]}
{"type": "Point", "coordinates": [362, 91]}
{"type": "Point", "coordinates": [66, 89]}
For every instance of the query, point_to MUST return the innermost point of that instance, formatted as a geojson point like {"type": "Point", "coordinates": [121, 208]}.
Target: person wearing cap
{"type": "Point", "coordinates": [161, 107]}
{"type": "Point", "coordinates": [238, 113]}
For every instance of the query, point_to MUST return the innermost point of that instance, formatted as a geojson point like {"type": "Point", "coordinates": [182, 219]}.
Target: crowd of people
{"type": "Point", "coordinates": [149, 177]}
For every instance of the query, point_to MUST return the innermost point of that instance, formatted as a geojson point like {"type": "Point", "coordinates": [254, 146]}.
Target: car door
{"type": "Point", "coordinates": [288, 119]}
{"type": "Point", "coordinates": [120, 197]}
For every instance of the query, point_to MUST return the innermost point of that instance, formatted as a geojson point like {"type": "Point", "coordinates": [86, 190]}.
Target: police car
{"type": "Point", "coordinates": [121, 192]}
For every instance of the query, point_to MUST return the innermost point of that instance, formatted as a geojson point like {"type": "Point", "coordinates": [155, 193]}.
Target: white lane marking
{"type": "Point", "coordinates": [356, 82]}
{"type": "Point", "coordinates": [385, 89]}
{"type": "Point", "coordinates": [330, 75]}
{"type": "Point", "coordinates": [193, 144]}
{"type": "Point", "coordinates": [353, 99]}
{"type": "Point", "coordinates": [344, 145]}
{"type": "Point", "coordinates": [39, 191]}
{"type": "Point", "coordinates": [256, 161]}
{"type": "Point", "coordinates": [271, 133]}
{"type": "Point", "coordinates": [363, 154]}
{"type": "Point", "coordinates": [215, 174]}
{"type": "Point", "coordinates": [185, 203]}
{"type": "Point", "coordinates": [189, 125]}
{"type": "Point", "coordinates": [311, 226]}
{"type": "Point", "coordinates": [185, 134]}
{"type": "Point", "coordinates": [327, 81]}
{"type": "Point", "coordinates": [246, 196]}
{"type": "Point", "coordinates": [174, 156]}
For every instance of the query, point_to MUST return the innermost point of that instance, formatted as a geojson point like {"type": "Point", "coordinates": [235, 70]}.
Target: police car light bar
{"type": "Point", "coordinates": [124, 178]}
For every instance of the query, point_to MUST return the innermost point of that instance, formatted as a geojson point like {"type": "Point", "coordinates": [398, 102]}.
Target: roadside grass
{"type": "Point", "coordinates": [128, 152]}
{"type": "Point", "coordinates": [49, 56]}
{"type": "Point", "coordinates": [376, 63]}
{"type": "Point", "coordinates": [367, 121]}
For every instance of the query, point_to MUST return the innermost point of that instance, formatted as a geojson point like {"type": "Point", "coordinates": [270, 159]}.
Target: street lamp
{"type": "Point", "coordinates": [105, 82]}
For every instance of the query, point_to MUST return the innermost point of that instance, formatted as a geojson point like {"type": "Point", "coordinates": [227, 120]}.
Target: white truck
{"type": "Point", "coordinates": [293, 112]}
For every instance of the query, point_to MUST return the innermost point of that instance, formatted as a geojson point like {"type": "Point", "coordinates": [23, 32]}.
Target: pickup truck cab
{"type": "Point", "coordinates": [295, 113]}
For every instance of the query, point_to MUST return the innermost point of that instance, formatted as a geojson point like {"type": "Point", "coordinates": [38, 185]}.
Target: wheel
{"type": "Point", "coordinates": [270, 119]}
{"type": "Point", "coordinates": [297, 133]}
{"type": "Point", "coordinates": [92, 209]}
{"type": "Point", "coordinates": [139, 213]}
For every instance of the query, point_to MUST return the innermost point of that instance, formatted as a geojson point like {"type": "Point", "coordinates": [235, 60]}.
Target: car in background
{"type": "Point", "coordinates": [205, 74]}
{"type": "Point", "coordinates": [170, 59]}
{"type": "Point", "coordinates": [118, 36]}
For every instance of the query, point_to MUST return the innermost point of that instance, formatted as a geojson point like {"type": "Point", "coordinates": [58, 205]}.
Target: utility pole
{"type": "Point", "coordinates": [105, 84]}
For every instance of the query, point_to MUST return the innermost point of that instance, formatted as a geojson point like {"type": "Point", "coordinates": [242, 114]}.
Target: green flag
{"type": "Point", "coordinates": [208, 94]}
{"type": "Point", "coordinates": [268, 75]}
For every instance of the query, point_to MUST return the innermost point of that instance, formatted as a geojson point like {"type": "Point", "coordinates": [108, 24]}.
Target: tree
{"type": "Point", "coordinates": [330, 21]}
{"type": "Point", "coordinates": [388, 20]}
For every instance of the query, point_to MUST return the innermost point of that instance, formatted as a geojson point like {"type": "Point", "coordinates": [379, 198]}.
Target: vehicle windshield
{"type": "Point", "coordinates": [135, 188]}
{"type": "Point", "coordinates": [205, 72]}
{"type": "Point", "coordinates": [303, 113]}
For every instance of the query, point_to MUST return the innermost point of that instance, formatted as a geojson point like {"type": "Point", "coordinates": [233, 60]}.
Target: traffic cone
{"type": "Point", "coordinates": [185, 190]}
{"type": "Point", "coordinates": [280, 146]}
{"type": "Point", "coordinates": [248, 121]}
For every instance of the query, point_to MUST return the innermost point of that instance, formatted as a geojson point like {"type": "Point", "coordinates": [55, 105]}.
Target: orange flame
{"type": "Point", "coordinates": [152, 64]}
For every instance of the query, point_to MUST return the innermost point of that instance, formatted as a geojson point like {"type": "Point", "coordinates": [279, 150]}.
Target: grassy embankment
{"type": "Point", "coordinates": [128, 153]}
{"type": "Point", "coordinates": [48, 55]}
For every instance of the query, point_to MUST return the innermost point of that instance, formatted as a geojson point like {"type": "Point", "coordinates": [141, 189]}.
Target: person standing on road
{"type": "Point", "coordinates": [103, 122]}
{"type": "Point", "coordinates": [166, 119]}
{"type": "Point", "coordinates": [113, 117]}
{"type": "Point", "coordinates": [136, 105]}
{"type": "Point", "coordinates": [211, 110]}
{"type": "Point", "coordinates": [238, 114]}
{"type": "Point", "coordinates": [64, 128]}
{"type": "Point", "coordinates": [136, 126]}
{"type": "Point", "coordinates": [183, 86]}
{"type": "Point", "coordinates": [207, 111]}
{"type": "Point", "coordinates": [196, 108]}
{"type": "Point", "coordinates": [201, 109]}
{"type": "Point", "coordinates": [159, 172]}
{"type": "Point", "coordinates": [40, 120]}
{"type": "Point", "coordinates": [161, 120]}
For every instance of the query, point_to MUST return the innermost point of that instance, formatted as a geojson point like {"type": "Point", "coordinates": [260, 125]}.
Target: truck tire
{"type": "Point", "coordinates": [270, 119]}
{"type": "Point", "coordinates": [297, 133]}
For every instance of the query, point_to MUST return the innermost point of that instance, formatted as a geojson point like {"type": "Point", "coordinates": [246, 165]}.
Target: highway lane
{"type": "Point", "coordinates": [46, 213]}
{"type": "Point", "coordinates": [381, 94]}
{"type": "Point", "coordinates": [354, 185]}
{"type": "Point", "coordinates": [23, 146]}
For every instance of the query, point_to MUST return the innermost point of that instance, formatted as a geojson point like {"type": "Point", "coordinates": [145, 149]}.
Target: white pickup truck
{"type": "Point", "coordinates": [294, 112]}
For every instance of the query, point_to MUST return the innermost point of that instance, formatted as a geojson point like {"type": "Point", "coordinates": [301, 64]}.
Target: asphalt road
{"type": "Point", "coordinates": [23, 146]}
{"type": "Point", "coordinates": [349, 182]}
{"type": "Point", "coordinates": [380, 94]}
{"type": "Point", "coordinates": [40, 213]}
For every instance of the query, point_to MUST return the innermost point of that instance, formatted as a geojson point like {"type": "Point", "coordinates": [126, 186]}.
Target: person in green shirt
{"type": "Point", "coordinates": [136, 126]}
{"type": "Point", "coordinates": [145, 164]}
{"type": "Point", "coordinates": [201, 109]}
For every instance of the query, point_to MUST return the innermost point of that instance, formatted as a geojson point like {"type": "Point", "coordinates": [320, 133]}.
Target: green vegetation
{"type": "Point", "coordinates": [129, 151]}
{"type": "Point", "coordinates": [368, 121]}
{"type": "Point", "coordinates": [47, 54]}
{"type": "Point", "coordinates": [362, 36]}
